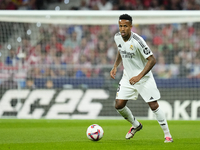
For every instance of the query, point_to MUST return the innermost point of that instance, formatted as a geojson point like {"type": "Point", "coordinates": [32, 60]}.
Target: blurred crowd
{"type": "Point", "coordinates": [64, 51]}
{"type": "Point", "coordinates": [90, 51]}
{"type": "Point", "coordinates": [138, 5]}
{"type": "Point", "coordinates": [22, 4]}
{"type": "Point", "coordinates": [103, 4]}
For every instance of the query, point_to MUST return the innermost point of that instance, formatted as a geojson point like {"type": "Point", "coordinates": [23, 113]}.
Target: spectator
{"type": "Point", "coordinates": [80, 72]}
{"type": "Point", "coordinates": [111, 53]}
{"type": "Point", "coordinates": [126, 5]}
{"type": "Point", "coordinates": [72, 41]}
{"type": "Point", "coordinates": [49, 72]}
{"type": "Point", "coordinates": [45, 59]}
{"type": "Point", "coordinates": [153, 4]}
{"type": "Point", "coordinates": [175, 67]}
{"type": "Point", "coordinates": [27, 5]}
{"type": "Point", "coordinates": [104, 5]}
{"type": "Point", "coordinates": [8, 5]}
{"type": "Point", "coordinates": [85, 69]}
{"type": "Point", "coordinates": [83, 5]}
{"type": "Point", "coordinates": [161, 70]}
{"type": "Point", "coordinates": [104, 71]}
{"type": "Point", "coordinates": [166, 52]}
{"type": "Point", "coordinates": [35, 56]}
{"type": "Point", "coordinates": [67, 56]}
{"type": "Point", "coordinates": [175, 5]}
{"type": "Point", "coordinates": [82, 49]}
{"type": "Point", "coordinates": [40, 4]}
{"type": "Point", "coordinates": [25, 48]}
{"type": "Point", "coordinates": [54, 44]}
{"type": "Point", "coordinates": [10, 83]}
{"type": "Point", "coordinates": [11, 59]}
{"type": "Point", "coordinates": [183, 70]}
{"type": "Point", "coordinates": [1, 62]}
{"type": "Point", "coordinates": [35, 72]}
{"type": "Point", "coordinates": [30, 83]}
{"type": "Point", "coordinates": [92, 57]}
{"type": "Point", "coordinates": [49, 84]}
{"type": "Point", "coordinates": [62, 73]}
{"type": "Point", "coordinates": [195, 69]}
{"type": "Point", "coordinates": [92, 4]}
{"type": "Point", "coordinates": [158, 37]}
{"type": "Point", "coordinates": [57, 59]}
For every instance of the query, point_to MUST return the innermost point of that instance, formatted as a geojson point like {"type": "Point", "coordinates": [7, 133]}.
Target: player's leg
{"type": "Point", "coordinates": [124, 93]}
{"type": "Point", "coordinates": [160, 116]}
{"type": "Point", "coordinates": [120, 106]}
{"type": "Point", "coordinates": [150, 93]}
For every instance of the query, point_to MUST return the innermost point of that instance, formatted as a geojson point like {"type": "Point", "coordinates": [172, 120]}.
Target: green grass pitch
{"type": "Point", "coordinates": [71, 135]}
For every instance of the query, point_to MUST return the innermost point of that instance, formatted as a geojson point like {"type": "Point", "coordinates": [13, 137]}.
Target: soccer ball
{"type": "Point", "coordinates": [94, 132]}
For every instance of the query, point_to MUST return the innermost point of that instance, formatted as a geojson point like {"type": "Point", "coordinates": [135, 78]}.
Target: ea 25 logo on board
{"type": "Point", "coordinates": [65, 103]}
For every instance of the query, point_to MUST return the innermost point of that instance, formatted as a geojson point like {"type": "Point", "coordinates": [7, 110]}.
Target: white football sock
{"type": "Point", "coordinates": [127, 114]}
{"type": "Point", "coordinates": [160, 116]}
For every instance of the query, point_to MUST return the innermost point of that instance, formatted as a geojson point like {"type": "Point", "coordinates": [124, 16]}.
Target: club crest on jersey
{"type": "Point", "coordinates": [131, 47]}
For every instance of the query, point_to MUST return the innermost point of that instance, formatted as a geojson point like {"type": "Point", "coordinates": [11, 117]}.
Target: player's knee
{"type": "Point", "coordinates": [153, 105]}
{"type": "Point", "coordinates": [119, 104]}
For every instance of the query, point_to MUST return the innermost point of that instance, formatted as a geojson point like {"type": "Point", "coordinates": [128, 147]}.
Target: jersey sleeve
{"type": "Point", "coordinates": [116, 38]}
{"type": "Point", "coordinates": [142, 46]}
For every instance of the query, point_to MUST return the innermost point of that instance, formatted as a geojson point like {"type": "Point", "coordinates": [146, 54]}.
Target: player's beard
{"type": "Point", "coordinates": [126, 36]}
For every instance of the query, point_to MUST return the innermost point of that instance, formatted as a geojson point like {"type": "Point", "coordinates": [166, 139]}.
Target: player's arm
{"type": "Point", "coordinates": [150, 63]}
{"type": "Point", "coordinates": [117, 62]}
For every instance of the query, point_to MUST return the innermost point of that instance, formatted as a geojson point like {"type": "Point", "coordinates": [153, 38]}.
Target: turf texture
{"type": "Point", "coordinates": [17, 134]}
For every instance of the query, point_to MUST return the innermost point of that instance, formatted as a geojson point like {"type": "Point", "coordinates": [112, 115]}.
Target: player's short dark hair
{"type": "Point", "coordinates": [125, 17]}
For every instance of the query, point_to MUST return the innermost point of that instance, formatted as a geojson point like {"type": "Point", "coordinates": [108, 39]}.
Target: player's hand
{"type": "Point", "coordinates": [134, 80]}
{"type": "Point", "coordinates": [113, 72]}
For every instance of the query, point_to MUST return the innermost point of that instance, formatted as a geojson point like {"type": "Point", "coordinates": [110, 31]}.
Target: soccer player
{"type": "Point", "coordinates": [138, 60]}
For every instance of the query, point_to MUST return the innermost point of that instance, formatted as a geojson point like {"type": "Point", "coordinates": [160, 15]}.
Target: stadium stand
{"type": "Point", "coordinates": [100, 5]}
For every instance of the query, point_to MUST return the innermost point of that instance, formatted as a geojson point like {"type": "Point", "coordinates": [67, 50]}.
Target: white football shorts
{"type": "Point", "coordinates": [146, 87]}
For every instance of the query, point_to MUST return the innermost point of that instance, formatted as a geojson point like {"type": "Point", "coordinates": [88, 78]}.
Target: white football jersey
{"type": "Point", "coordinates": [134, 53]}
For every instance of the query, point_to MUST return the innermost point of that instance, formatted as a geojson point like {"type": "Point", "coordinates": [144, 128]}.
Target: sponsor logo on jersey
{"type": "Point", "coordinates": [125, 54]}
